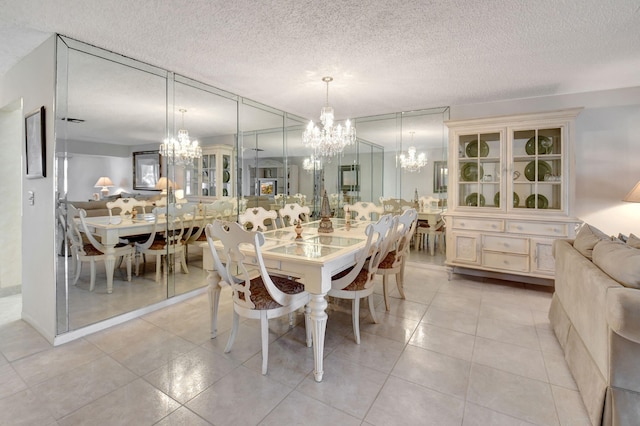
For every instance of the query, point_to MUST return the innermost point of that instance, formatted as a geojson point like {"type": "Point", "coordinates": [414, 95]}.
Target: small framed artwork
{"type": "Point", "coordinates": [350, 177]}
{"type": "Point", "coordinates": [440, 177]}
{"type": "Point", "coordinates": [147, 170]}
{"type": "Point", "coordinates": [35, 132]}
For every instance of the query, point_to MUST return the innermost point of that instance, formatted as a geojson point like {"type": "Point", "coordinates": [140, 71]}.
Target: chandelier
{"type": "Point", "coordinates": [181, 151]}
{"type": "Point", "coordinates": [412, 162]}
{"type": "Point", "coordinates": [329, 140]}
{"type": "Point", "coordinates": [312, 164]}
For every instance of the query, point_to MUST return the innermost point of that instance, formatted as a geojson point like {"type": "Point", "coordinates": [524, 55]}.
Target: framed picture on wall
{"type": "Point", "coordinates": [35, 143]}
{"type": "Point", "coordinates": [350, 177]}
{"type": "Point", "coordinates": [440, 177]}
{"type": "Point", "coordinates": [147, 170]}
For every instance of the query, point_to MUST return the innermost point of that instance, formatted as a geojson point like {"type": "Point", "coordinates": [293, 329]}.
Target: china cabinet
{"type": "Point", "coordinates": [510, 192]}
{"type": "Point", "coordinates": [214, 175]}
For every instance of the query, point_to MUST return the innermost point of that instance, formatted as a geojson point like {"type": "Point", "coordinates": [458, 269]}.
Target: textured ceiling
{"type": "Point", "coordinates": [384, 56]}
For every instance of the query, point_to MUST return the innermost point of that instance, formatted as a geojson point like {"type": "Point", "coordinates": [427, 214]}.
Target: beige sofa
{"type": "Point", "coordinates": [597, 321]}
{"type": "Point", "coordinates": [99, 207]}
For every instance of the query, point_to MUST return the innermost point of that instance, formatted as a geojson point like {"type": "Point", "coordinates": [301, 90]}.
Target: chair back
{"type": "Point", "coordinates": [429, 202]}
{"type": "Point", "coordinates": [126, 206]}
{"type": "Point", "coordinates": [72, 230]}
{"type": "Point", "coordinates": [236, 268]}
{"type": "Point", "coordinates": [396, 205]}
{"type": "Point", "coordinates": [407, 222]}
{"type": "Point", "coordinates": [219, 209]}
{"type": "Point", "coordinates": [257, 217]}
{"type": "Point", "coordinates": [294, 212]}
{"type": "Point", "coordinates": [363, 210]}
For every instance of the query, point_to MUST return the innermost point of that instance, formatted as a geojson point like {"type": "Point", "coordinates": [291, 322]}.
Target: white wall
{"type": "Point", "coordinates": [33, 80]}
{"type": "Point", "coordinates": [607, 150]}
{"type": "Point", "coordinates": [84, 171]}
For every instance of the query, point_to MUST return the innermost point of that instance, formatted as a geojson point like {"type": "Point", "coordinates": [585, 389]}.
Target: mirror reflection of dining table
{"type": "Point", "coordinates": [315, 258]}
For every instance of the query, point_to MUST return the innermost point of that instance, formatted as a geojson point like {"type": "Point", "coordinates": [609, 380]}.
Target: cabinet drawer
{"type": "Point", "coordinates": [506, 244]}
{"type": "Point", "coordinates": [496, 225]}
{"type": "Point", "coordinates": [539, 228]}
{"type": "Point", "coordinates": [504, 261]}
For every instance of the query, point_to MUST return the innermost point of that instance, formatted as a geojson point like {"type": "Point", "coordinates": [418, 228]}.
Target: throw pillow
{"type": "Point", "coordinates": [633, 241]}
{"type": "Point", "coordinates": [619, 261]}
{"type": "Point", "coordinates": [588, 236]}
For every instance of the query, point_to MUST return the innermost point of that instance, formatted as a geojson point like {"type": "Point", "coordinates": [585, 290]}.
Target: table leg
{"type": "Point", "coordinates": [214, 299]}
{"type": "Point", "coordinates": [318, 305]}
{"type": "Point", "coordinates": [110, 265]}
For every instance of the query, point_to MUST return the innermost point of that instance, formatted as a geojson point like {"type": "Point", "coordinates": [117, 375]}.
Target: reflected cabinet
{"type": "Point", "coordinates": [214, 175]}
{"type": "Point", "coordinates": [510, 195]}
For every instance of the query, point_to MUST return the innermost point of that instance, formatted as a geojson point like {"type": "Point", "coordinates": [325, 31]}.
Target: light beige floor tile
{"type": "Point", "coordinates": [404, 403]}
{"type": "Point", "coordinates": [459, 286]}
{"type": "Point", "coordinates": [514, 395]}
{"type": "Point", "coordinates": [146, 356]}
{"type": "Point", "coordinates": [506, 313]}
{"type": "Point", "coordinates": [511, 358]}
{"type": "Point", "coordinates": [246, 345]}
{"type": "Point", "coordinates": [390, 326]}
{"type": "Point", "coordinates": [183, 417]}
{"type": "Point", "coordinates": [570, 407]}
{"type": "Point", "coordinates": [508, 332]}
{"type": "Point", "coordinates": [509, 298]}
{"type": "Point", "coordinates": [541, 319]}
{"type": "Point", "coordinates": [242, 397]}
{"type": "Point", "coordinates": [10, 381]}
{"type": "Point", "coordinates": [475, 415]}
{"type": "Point", "coordinates": [558, 371]}
{"type": "Point", "coordinates": [186, 376]}
{"type": "Point", "coordinates": [403, 308]}
{"type": "Point", "coordinates": [137, 403]}
{"type": "Point", "coordinates": [373, 351]}
{"type": "Point", "coordinates": [433, 370]}
{"type": "Point", "coordinates": [19, 340]}
{"type": "Point", "coordinates": [453, 320]}
{"type": "Point", "coordinates": [549, 342]}
{"type": "Point", "coordinates": [444, 341]}
{"type": "Point", "coordinates": [122, 335]}
{"type": "Point", "coordinates": [456, 303]}
{"type": "Point", "coordinates": [298, 409]}
{"type": "Point", "coordinates": [45, 365]}
{"type": "Point", "coordinates": [345, 385]}
{"type": "Point", "coordinates": [71, 390]}
{"type": "Point", "coordinates": [24, 408]}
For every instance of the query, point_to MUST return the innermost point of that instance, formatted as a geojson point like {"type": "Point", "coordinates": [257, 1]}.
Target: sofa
{"type": "Point", "coordinates": [99, 207]}
{"type": "Point", "coordinates": [595, 314]}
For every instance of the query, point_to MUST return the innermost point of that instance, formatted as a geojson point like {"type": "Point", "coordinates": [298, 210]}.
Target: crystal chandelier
{"type": "Point", "coordinates": [329, 140]}
{"type": "Point", "coordinates": [312, 164]}
{"type": "Point", "coordinates": [412, 162]}
{"type": "Point", "coordinates": [181, 151]}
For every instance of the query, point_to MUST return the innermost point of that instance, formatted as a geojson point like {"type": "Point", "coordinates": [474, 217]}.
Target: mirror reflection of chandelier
{"type": "Point", "coordinates": [181, 151]}
{"type": "Point", "coordinates": [329, 140]}
{"type": "Point", "coordinates": [413, 162]}
{"type": "Point", "coordinates": [312, 164]}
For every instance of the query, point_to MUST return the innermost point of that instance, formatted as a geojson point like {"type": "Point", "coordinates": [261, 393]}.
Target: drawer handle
{"type": "Point", "coordinates": [494, 226]}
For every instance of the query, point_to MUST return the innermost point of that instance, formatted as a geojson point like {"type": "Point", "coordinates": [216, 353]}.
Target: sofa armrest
{"type": "Point", "coordinates": [623, 312]}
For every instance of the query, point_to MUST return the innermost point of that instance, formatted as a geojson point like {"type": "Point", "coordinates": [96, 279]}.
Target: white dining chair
{"type": "Point", "coordinates": [125, 207]}
{"type": "Point", "coordinates": [256, 294]}
{"type": "Point", "coordinates": [258, 218]}
{"type": "Point", "coordinates": [293, 212]}
{"type": "Point", "coordinates": [363, 210]}
{"type": "Point", "coordinates": [356, 282]}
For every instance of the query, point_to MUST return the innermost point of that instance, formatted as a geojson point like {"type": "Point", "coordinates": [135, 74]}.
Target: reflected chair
{"type": "Point", "coordinates": [165, 241]}
{"type": "Point", "coordinates": [363, 210]}
{"type": "Point", "coordinates": [394, 261]}
{"type": "Point", "coordinates": [291, 213]}
{"type": "Point", "coordinates": [356, 282]}
{"type": "Point", "coordinates": [92, 250]}
{"type": "Point", "coordinates": [126, 207]}
{"type": "Point", "coordinates": [256, 293]}
{"type": "Point", "coordinates": [258, 217]}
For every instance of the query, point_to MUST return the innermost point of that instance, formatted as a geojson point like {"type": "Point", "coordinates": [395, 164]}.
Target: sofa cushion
{"type": "Point", "coordinates": [633, 241]}
{"type": "Point", "coordinates": [620, 261]}
{"type": "Point", "coordinates": [587, 238]}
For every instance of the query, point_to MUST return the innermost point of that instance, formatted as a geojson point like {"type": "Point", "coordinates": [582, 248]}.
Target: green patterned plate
{"type": "Point", "coordinates": [543, 169]}
{"type": "Point", "coordinates": [496, 199]}
{"type": "Point", "coordinates": [469, 172]}
{"type": "Point", "coordinates": [543, 203]}
{"type": "Point", "coordinates": [544, 145]}
{"type": "Point", "coordinates": [472, 200]}
{"type": "Point", "coordinates": [472, 149]}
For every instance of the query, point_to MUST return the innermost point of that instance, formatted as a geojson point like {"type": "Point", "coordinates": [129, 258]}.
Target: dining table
{"type": "Point", "coordinates": [315, 257]}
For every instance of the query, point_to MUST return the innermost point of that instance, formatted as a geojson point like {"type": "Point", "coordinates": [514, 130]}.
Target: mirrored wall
{"type": "Point", "coordinates": [112, 113]}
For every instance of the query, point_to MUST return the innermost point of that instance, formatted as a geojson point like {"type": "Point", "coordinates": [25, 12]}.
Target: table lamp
{"type": "Point", "coordinates": [634, 195]}
{"type": "Point", "coordinates": [105, 183]}
{"type": "Point", "coordinates": [164, 184]}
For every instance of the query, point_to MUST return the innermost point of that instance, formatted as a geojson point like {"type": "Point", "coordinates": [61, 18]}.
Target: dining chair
{"type": "Point", "coordinates": [256, 294]}
{"type": "Point", "coordinates": [394, 262]}
{"type": "Point", "coordinates": [126, 207]}
{"type": "Point", "coordinates": [356, 282]}
{"type": "Point", "coordinates": [165, 240]}
{"type": "Point", "coordinates": [363, 210]}
{"type": "Point", "coordinates": [293, 212]}
{"type": "Point", "coordinates": [89, 249]}
{"type": "Point", "coordinates": [258, 217]}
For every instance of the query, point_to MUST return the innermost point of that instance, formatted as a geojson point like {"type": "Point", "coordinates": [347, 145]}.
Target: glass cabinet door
{"type": "Point", "coordinates": [537, 168]}
{"type": "Point", "coordinates": [226, 176]}
{"type": "Point", "coordinates": [479, 165]}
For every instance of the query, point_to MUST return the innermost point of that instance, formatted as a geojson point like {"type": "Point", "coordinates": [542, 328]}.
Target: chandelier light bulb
{"type": "Point", "coordinates": [413, 162]}
{"type": "Point", "coordinates": [181, 151]}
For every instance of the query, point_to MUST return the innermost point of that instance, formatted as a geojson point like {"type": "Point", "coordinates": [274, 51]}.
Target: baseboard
{"type": "Point", "coordinates": [502, 276]}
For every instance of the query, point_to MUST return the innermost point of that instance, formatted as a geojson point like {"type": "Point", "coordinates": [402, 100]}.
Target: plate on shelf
{"type": "Point", "coordinates": [469, 172]}
{"type": "Point", "coordinates": [225, 163]}
{"type": "Point", "coordinates": [544, 145]}
{"type": "Point", "coordinates": [543, 203]}
{"type": "Point", "coordinates": [543, 169]}
{"type": "Point", "coordinates": [472, 149]}
{"type": "Point", "coordinates": [226, 176]}
{"type": "Point", "coordinates": [472, 200]}
{"type": "Point", "coordinates": [516, 199]}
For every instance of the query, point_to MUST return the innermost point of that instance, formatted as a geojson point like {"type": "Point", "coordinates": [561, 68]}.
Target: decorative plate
{"type": "Point", "coordinates": [472, 200]}
{"type": "Point", "coordinates": [226, 176]}
{"type": "Point", "coordinates": [544, 145]}
{"type": "Point", "coordinates": [225, 193]}
{"type": "Point", "coordinates": [469, 172]}
{"type": "Point", "coordinates": [472, 149]}
{"type": "Point", "coordinates": [543, 203]}
{"type": "Point", "coordinates": [543, 169]}
{"type": "Point", "coordinates": [225, 162]}
{"type": "Point", "coordinates": [516, 199]}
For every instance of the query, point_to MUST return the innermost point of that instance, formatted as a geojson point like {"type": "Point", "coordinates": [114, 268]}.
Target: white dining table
{"type": "Point", "coordinates": [315, 258]}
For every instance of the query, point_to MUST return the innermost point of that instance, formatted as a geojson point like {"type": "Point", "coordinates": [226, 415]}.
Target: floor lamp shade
{"type": "Point", "coordinates": [634, 195]}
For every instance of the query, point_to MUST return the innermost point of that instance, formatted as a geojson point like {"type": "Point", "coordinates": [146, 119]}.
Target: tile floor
{"type": "Point", "coordinates": [461, 352]}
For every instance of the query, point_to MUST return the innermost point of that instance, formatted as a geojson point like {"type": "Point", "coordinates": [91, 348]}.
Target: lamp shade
{"type": "Point", "coordinates": [165, 183]}
{"type": "Point", "coordinates": [103, 182]}
{"type": "Point", "coordinates": [634, 195]}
